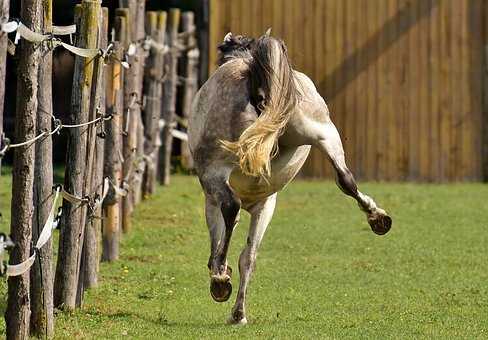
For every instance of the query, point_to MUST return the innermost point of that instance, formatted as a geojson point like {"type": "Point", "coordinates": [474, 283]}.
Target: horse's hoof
{"type": "Point", "coordinates": [240, 322]}
{"type": "Point", "coordinates": [220, 290]}
{"type": "Point", "coordinates": [380, 222]}
{"type": "Point", "coordinates": [220, 286]}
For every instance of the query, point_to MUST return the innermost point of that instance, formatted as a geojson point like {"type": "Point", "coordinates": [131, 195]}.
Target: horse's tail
{"type": "Point", "coordinates": [273, 87]}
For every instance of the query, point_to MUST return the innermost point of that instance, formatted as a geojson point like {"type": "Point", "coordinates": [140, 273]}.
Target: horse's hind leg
{"type": "Point", "coordinates": [222, 210]}
{"type": "Point", "coordinates": [330, 143]}
{"type": "Point", "coordinates": [261, 214]}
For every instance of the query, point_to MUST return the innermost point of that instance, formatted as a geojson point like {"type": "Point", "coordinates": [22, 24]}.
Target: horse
{"type": "Point", "coordinates": [250, 130]}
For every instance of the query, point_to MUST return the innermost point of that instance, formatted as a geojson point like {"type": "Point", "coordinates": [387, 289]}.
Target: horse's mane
{"type": "Point", "coordinates": [233, 47]}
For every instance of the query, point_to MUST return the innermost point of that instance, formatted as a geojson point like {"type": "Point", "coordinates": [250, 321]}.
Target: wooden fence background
{"type": "Point", "coordinates": [403, 78]}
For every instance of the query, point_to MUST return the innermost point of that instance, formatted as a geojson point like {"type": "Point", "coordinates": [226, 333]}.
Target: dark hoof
{"type": "Point", "coordinates": [220, 291]}
{"type": "Point", "coordinates": [380, 222]}
{"type": "Point", "coordinates": [220, 286]}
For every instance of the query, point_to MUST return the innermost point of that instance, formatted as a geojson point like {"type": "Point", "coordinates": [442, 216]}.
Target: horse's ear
{"type": "Point", "coordinates": [268, 33]}
{"type": "Point", "coordinates": [228, 37]}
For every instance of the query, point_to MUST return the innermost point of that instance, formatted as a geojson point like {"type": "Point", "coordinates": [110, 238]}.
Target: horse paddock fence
{"type": "Point", "coordinates": [122, 122]}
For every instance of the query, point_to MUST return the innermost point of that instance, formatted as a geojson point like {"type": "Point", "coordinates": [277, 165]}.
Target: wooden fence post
{"type": "Point", "coordinates": [88, 251]}
{"type": "Point", "coordinates": [4, 10]}
{"type": "Point", "coordinates": [127, 152]}
{"type": "Point", "coordinates": [72, 221]}
{"type": "Point", "coordinates": [138, 128]}
{"type": "Point", "coordinates": [155, 28]}
{"type": "Point", "coordinates": [169, 96]}
{"type": "Point", "coordinates": [42, 318]}
{"type": "Point", "coordinates": [162, 24]}
{"type": "Point", "coordinates": [17, 314]}
{"type": "Point", "coordinates": [113, 146]}
{"type": "Point", "coordinates": [190, 87]}
{"type": "Point", "coordinates": [133, 144]}
{"type": "Point", "coordinates": [89, 270]}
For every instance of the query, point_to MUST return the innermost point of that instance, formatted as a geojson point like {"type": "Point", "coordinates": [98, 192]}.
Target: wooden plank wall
{"type": "Point", "coordinates": [403, 78]}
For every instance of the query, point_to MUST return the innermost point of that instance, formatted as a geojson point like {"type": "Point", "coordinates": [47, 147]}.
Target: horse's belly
{"type": "Point", "coordinates": [283, 169]}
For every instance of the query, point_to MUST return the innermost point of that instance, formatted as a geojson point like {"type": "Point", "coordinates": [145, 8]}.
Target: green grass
{"type": "Point", "coordinates": [321, 272]}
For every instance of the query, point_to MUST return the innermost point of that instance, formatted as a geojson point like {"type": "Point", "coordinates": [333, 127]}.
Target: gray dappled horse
{"type": "Point", "coordinates": [250, 131]}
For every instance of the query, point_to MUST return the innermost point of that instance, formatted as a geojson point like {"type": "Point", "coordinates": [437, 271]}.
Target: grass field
{"type": "Point", "coordinates": [321, 272]}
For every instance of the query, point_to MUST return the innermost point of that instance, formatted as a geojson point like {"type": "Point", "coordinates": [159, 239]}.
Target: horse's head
{"type": "Point", "coordinates": [234, 46]}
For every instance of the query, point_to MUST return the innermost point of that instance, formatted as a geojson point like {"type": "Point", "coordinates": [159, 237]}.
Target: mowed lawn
{"type": "Point", "coordinates": [321, 272]}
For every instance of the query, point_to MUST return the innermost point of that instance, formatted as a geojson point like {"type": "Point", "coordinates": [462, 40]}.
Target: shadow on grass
{"type": "Point", "coordinates": [160, 320]}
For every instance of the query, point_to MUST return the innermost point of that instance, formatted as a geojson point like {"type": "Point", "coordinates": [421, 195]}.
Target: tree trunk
{"type": "Point", "coordinates": [4, 10]}
{"type": "Point", "coordinates": [72, 222]}
{"type": "Point", "coordinates": [42, 318]}
{"type": "Point", "coordinates": [169, 96]}
{"type": "Point", "coordinates": [17, 314]}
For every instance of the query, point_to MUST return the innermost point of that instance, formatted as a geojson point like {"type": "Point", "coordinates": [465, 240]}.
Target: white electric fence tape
{"type": "Point", "coordinates": [9, 27]}
{"type": "Point", "coordinates": [176, 133]}
{"type": "Point", "coordinates": [73, 199]}
{"type": "Point", "coordinates": [99, 200]}
{"type": "Point", "coordinates": [29, 35]}
{"type": "Point", "coordinates": [21, 268]}
{"type": "Point", "coordinates": [180, 135]}
{"type": "Point", "coordinates": [122, 192]}
{"type": "Point", "coordinates": [64, 30]}
{"type": "Point", "coordinates": [26, 33]}
{"type": "Point", "coordinates": [51, 223]}
{"type": "Point", "coordinates": [34, 37]}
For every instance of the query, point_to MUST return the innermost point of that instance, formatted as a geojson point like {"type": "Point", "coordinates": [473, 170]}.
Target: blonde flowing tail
{"type": "Point", "coordinates": [273, 85]}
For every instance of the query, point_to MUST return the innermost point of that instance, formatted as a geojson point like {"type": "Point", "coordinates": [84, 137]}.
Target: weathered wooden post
{"type": "Point", "coordinates": [17, 314]}
{"type": "Point", "coordinates": [89, 270]}
{"type": "Point", "coordinates": [155, 28]}
{"type": "Point", "coordinates": [169, 96]}
{"type": "Point", "coordinates": [138, 127]}
{"type": "Point", "coordinates": [129, 101]}
{"type": "Point", "coordinates": [162, 23]}
{"type": "Point", "coordinates": [113, 146]}
{"type": "Point", "coordinates": [4, 10]}
{"type": "Point", "coordinates": [190, 86]}
{"type": "Point", "coordinates": [133, 153]}
{"type": "Point", "coordinates": [72, 221]}
{"type": "Point", "coordinates": [42, 318]}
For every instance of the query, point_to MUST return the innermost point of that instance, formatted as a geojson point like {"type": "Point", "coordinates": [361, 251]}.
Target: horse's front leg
{"type": "Point", "coordinates": [330, 143]}
{"type": "Point", "coordinates": [222, 211]}
{"type": "Point", "coordinates": [261, 214]}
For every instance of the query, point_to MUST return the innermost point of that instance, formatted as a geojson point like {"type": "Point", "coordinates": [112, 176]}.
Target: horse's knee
{"type": "Point", "coordinates": [346, 182]}
{"type": "Point", "coordinates": [218, 190]}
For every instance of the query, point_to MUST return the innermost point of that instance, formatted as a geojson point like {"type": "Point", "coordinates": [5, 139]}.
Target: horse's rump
{"type": "Point", "coordinates": [273, 92]}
